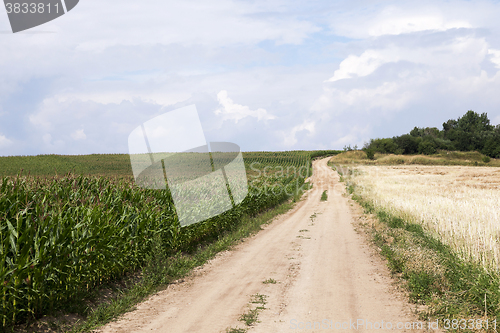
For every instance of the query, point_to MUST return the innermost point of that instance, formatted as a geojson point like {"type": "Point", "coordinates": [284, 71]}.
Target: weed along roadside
{"type": "Point", "coordinates": [444, 281]}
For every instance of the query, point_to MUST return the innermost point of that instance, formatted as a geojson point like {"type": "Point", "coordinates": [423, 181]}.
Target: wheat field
{"type": "Point", "coordinates": [456, 204]}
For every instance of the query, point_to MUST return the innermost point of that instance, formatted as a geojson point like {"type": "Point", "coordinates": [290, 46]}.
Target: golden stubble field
{"type": "Point", "coordinates": [459, 205]}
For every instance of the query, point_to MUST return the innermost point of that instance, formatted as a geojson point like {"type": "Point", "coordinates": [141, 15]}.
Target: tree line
{"type": "Point", "coordinates": [471, 132]}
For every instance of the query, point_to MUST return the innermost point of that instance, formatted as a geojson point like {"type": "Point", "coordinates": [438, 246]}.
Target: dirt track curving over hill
{"type": "Point", "coordinates": [325, 273]}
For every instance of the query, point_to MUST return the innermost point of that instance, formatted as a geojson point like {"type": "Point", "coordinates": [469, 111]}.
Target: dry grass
{"type": "Point", "coordinates": [442, 158]}
{"type": "Point", "coordinates": [458, 205]}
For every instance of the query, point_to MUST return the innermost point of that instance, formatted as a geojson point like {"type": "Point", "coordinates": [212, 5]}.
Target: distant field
{"type": "Point", "coordinates": [441, 158]}
{"type": "Point", "coordinates": [50, 165]}
{"type": "Point", "coordinates": [118, 165]}
{"type": "Point", "coordinates": [458, 205]}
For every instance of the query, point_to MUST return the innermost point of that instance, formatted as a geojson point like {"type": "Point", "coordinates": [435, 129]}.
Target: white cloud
{"type": "Point", "coordinates": [352, 135]}
{"type": "Point", "coordinates": [289, 139]}
{"type": "Point", "coordinates": [450, 65]}
{"type": "Point", "coordinates": [495, 58]}
{"type": "Point", "coordinates": [79, 135]}
{"type": "Point", "coordinates": [182, 22]}
{"type": "Point", "coordinates": [167, 41]}
{"type": "Point", "coordinates": [232, 111]}
{"type": "Point", "coordinates": [395, 21]}
{"type": "Point", "coordinates": [388, 96]}
{"type": "Point", "coordinates": [407, 17]}
{"type": "Point", "coordinates": [362, 103]}
{"type": "Point", "coordinates": [78, 127]}
{"type": "Point", "coordinates": [363, 65]}
{"type": "Point", "coordinates": [430, 57]}
{"type": "Point", "coordinates": [42, 119]}
{"type": "Point", "coordinates": [464, 52]}
{"type": "Point", "coordinates": [4, 142]}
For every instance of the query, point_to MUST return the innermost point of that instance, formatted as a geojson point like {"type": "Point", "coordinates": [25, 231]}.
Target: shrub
{"type": "Point", "coordinates": [408, 143]}
{"type": "Point", "coordinates": [383, 146]}
{"type": "Point", "coordinates": [426, 148]}
{"type": "Point", "coordinates": [370, 154]}
{"type": "Point", "coordinates": [492, 146]}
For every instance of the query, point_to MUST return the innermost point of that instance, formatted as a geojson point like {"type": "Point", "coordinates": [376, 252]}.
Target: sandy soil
{"type": "Point", "coordinates": [325, 272]}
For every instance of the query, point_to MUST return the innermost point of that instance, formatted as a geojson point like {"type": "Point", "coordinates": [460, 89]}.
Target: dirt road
{"type": "Point", "coordinates": [325, 273]}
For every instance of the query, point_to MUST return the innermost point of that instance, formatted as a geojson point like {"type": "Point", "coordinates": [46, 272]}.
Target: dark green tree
{"type": "Point", "coordinates": [427, 148]}
{"type": "Point", "coordinates": [384, 146]}
{"type": "Point", "coordinates": [470, 132]}
{"type": "Point", "coordinates": [407, 143]}
{"type": "Point", "coordinates": [492, 145]}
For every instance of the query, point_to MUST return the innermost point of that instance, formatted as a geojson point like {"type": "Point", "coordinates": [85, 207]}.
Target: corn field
{"type": "Point", "coordinates": [62, 236]}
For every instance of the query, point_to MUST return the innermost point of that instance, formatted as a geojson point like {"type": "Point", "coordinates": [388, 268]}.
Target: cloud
{"type": "Point", "coordinates": [96, 57]}
{"type": "Point", "coordinates": [85, 127]}
{"type": "Point", "coordinates": [354, 134]}
{"type": "Point", "coordinates": [394, 21]}
{"type": "Point", "coordinates": [362, 65]}
{"type": "Point", "coordinates": [495, 58]}
{"type": "Point", "coordinates": [78, 135]}
{"type": "Point", "coordinates": [376, 19]}
{"type": "Point", "coordinates": [389, 65]}
{"type": "Point", "coordinates": [400, 73]}
{"type": "Point", "coordinates": [289, 138]}
{"type": "Point", "coordinates": [4, 142]}
{"type": "Point", "coordinates": [388, 96]}
{"type": "Point", "coordinates": [465, 51]}
{"type": "Point", "coordinates": [232, 111]}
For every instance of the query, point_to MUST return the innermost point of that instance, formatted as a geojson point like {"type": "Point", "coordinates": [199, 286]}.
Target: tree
{"type": "Point", "coordinates": [427, 131]}
{"type": "Point", "coordinates": [407, 143]}
{"type": "Point", "coordinates": [472, 131]}
{"type": "Point", "coordinates": [469, 132]}
{"type": "Point", "coordinates": [472, 122]}
{"type": "Point", "coordinates": [427, 148]}
{"type": "Point", "coordinates": [492, 145]}
{"type": "Point", "coordinates": [383, 146]}
{"type": "Point", "coordinates": [449, 129]}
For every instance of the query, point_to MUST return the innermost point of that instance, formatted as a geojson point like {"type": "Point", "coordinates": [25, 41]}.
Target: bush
{"type": "Point", "coordinates": [486, 159]}
{"type": "Point", "coordinates": [407, 143]}
{"type": "Point", "coordinates": [370, 154]}
{"type": "Point", "coordinates": [383, 146]}
{"type": "Point", "coordinates": [492, 146]}
{"type": "Point", "coordinates": [426, 148]}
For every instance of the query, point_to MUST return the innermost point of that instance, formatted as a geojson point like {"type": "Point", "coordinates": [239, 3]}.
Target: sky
{"type": "Point", "coordinates": [267, 75]}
